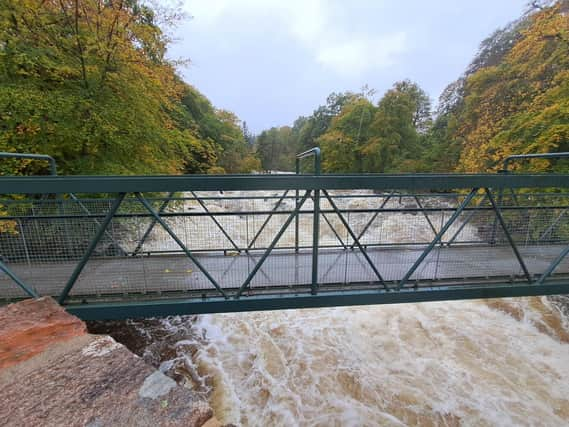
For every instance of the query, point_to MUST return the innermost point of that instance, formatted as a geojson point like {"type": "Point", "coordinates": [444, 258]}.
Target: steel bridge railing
{"type": "Point", "coordinates": [176, 244]}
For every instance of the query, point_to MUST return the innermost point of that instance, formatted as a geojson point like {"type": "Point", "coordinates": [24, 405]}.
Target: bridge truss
{"type": "Point", "coordinates": [116, 247]}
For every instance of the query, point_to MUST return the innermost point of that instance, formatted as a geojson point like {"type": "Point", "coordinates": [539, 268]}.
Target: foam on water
{"type": "Point", "coordinates": [477, 363]}
{"type": "Point", "coordinates": [431, 363]}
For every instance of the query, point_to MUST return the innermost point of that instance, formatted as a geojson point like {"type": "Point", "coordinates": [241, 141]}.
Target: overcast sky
{"type": "Point", "coordinates": [271, 61]}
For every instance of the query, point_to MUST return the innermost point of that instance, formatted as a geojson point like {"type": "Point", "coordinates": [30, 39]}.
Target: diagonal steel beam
{"type": "Point", "coordinates": [153, 223]}
{"type": "Point", "coordinates": [166, 227]}
{"type": "Point", "coordinates": [283, 228]}
{"type": "Point", "coordinates": [437, 238]}
{"type": "Point", "coordinates": [334, 231]}
{"type": "Point", "coordinates": [383, 203]}
{"type": "Point", "coordinates": [553, 224]}
{"type": "Point", "coordinates": [425, 215]}
{"type": "Point", "coordinates": [99, 234]}
{"type": "Point", "coordinates": [466, 221]}
{"type": "Point", "coordinates": [553, 266]}
{"type": "Point", "coordinates": [17, 280]}
{"type": "Point", "coordinates": [508, 235]}
{"type": "Point", "coordinates": [86, 210]}
{"type": "Point", "coordinates": [275, 208]}
{"type": "Point", "coordinates": [353, 236]}
{"type": "Point", "coordinates": [202, 204]}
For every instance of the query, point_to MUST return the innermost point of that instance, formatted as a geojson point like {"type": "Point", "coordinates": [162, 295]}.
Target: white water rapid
{"type": "Point", "coordinates": [472, 363]}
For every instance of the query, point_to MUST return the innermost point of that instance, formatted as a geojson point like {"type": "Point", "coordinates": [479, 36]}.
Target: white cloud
{"type": "Point", "coordinates": [359, 55]}
{"type": "Point", "coordinates": [319, 26]}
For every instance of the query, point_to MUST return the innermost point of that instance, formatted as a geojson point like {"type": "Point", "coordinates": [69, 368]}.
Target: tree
{"type": "Point", "coordinates": [349, 134]}
{"type": "Point", "coordinates": [519, 105]}
{"type": "Point", "coordinates": [87, 82]}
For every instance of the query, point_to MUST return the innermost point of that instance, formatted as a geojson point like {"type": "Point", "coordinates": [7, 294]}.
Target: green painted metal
{"type": "Point", "coordinates": [507, 233]}
{"type": "Point", "coordinates": [323, 299]}
{"type": "Point", "coordinates": [467, 220]}
{"type": "Point", "coordinates": [180, 243]}
{"type": "Point", "coordinates": [315, 239]}
{"type": "Point", "coordinates": [437, 238]}
{"type": "Point", "coordinates": [354, 237]}
{"type": "Point", "coordinates": [509, 159]}
{"type": "Point", "coordinates": [84, 208]}
{"type": "Point", "coordinates": [313, 152]}
{"type": "Point", "coordinates": [333, 230]}
{"type": "Point", "coordinates": [132, 184]}
{"type": "Point", "coordinates": [17, 280]}
{"type": "Point", "coordinates": [276, 239]}
{"type": "Point", "coordinates": [316, 153]}
{"type": "Point", "coordinates": [374, 216]}
{"type": "Point", "coordinates": [152, 224]}
{"type": "Point", "coordinates": [433, 229]}
{"type": "Point", "coordinates": [216, 222]}
{"type": "Point", "coordinates": [92, 245]}
{"type": "Point", "coordinates": [308, 291]}
{"type": "Point", "coordinates": [40, 157]}
{"type": "Point", "coordinates": [553, 266]}
{"type": "Point", "coordinates": [275, 209]}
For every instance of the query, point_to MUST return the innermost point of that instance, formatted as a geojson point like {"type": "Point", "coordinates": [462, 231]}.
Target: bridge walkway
{"type": "Point", "coordinates": [119, 277]}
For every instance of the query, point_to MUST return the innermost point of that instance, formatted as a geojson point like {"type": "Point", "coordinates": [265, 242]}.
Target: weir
{"type": "Point", "coordinates": [116, 247]}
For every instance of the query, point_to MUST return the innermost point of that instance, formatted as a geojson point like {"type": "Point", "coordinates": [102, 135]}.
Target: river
{"type": "Point", "coordinates": [484, 363]}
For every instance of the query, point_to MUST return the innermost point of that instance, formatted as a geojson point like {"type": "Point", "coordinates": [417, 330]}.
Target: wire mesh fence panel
{"type": "Point", "coordinates": [207, 242]}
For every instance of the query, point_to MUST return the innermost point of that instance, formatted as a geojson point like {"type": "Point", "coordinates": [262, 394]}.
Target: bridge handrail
{"type": "Point", "coordinates": [153, 184]}
{"type": "Point", "coordinates": [313, 152]}
{"type": "Point", "coordinates": [508, 159]}
{"type": "Point", "coordinates": [51, 160]}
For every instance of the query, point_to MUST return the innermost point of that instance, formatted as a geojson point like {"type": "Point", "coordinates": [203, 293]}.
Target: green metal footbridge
{"type": "Point", "coordinates": [115, 247]}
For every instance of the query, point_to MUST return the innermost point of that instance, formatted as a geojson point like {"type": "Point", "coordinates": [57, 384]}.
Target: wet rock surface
{"type": "Point", "coordinates": [53, 373]}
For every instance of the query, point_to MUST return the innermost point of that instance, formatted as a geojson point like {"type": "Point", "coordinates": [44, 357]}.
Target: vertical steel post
{"type": "Point", "coordinates": [316, 225]}
{"type": "Point", "coordinates": [316, 213]}
{"type": "Point", "coordinates": [315, 240]}
{"type": "Point", "coordinates": [296, 219]}
{"type": "Point", "coordinates": [500, 201]}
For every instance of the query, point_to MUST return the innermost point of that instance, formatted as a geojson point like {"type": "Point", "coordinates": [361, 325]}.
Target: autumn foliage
{"type": "Point", "coordinates": [88, 82]}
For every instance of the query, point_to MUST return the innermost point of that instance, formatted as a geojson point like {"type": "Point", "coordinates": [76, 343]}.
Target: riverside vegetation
{"type": "Point", "coordinates": [89, 82]}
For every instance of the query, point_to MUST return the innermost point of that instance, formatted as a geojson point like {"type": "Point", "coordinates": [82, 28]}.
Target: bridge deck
{"type": "Point", "coordinates": [176, 273]}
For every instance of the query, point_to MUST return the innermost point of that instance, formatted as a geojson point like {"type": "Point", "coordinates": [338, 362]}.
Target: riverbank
{"type": "Point", "coordinates": [54, 373]}
{"type": "Point", "coordinates": [486, 362]}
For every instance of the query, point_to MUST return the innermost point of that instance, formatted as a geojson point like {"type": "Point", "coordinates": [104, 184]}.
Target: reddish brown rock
{"type": "Point", "coordinates": [29, 327]}
{"type": "Point", "coordinates": [55, 374]}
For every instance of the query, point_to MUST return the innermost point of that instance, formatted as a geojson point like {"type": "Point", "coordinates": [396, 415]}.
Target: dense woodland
{"type": "Point", "coordinates": [513, 98]}
{"type": "Point", "coordinates": [88, 82]}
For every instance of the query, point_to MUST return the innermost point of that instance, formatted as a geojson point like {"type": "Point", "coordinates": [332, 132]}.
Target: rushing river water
{"type": "Point", "coordinates": [496, 362]}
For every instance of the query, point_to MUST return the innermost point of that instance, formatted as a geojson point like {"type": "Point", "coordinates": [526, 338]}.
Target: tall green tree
{"type": "Point", "coordinates": [87, 81]}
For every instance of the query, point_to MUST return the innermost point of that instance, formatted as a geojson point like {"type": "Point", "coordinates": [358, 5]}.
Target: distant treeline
{"type": "Point", "coordinates": [513, 98]}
